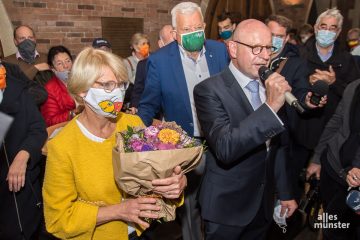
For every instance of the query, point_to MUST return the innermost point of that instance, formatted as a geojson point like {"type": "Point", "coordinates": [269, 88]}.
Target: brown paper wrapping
{"type": "Point", "coordinates": [134, 171]}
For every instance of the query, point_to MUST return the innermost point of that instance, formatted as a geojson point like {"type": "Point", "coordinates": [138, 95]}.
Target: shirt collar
{"type": "Point", "coordinates": [325, 57]}
{"type": "Point", "coordinates": [241, 78]}
{"type": "Point", "coordinates": [184, 55]}
{"type": "Point", "coordinates": [18, 55]}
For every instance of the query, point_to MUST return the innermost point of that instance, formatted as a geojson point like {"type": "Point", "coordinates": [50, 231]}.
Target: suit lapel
{"type": "Point", "coordinates": [179, 76]}
{"type": "Point", "coordinates": [211, 61]}
{"type": "Point", "coordinates": [235, 90]}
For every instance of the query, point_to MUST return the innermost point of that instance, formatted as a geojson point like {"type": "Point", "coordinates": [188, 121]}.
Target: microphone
{"type": "Point", "coordinates": [264, 73]}
{"type": "Point", "coordinates": [319, 89]}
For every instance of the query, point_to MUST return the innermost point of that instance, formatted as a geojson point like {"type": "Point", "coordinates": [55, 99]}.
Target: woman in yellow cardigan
{"type": "Point", "coordinates": [81, 198]}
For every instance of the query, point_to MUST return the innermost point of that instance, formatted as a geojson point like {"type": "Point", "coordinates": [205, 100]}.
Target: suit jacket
{"type": "Point", "coordinates": [139, 83]}
{"type": "Point", "coordinates": [239, 172]}
{"type": "Point", "coordinates": [166, 88]}
{"type": "Point", "coordinates": [336, 132]}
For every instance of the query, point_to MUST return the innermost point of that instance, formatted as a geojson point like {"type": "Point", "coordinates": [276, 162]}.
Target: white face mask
{"type": "Point", "coordinates": [280, 221]}
{"type": "Point", "coordinates": [104, 103]}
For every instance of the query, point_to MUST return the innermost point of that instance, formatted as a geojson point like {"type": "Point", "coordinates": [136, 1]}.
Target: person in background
{"type": "Point", "coordinates": [329, 63]}
{"type": "Point", "coordinates": [81, 198]}
{"type": "Point", "coordinates": [30, 61]}
{"type": "Point", "coordinates": [226, 25]}
{"type": "Point", "coordinates": [353, 41]}
{"type": "Point", "coordinates": [165, 37]}
{"type": "Point", "coordinates": [102, 43]}
{"type": "Point", "coordinates": [336, 162]}
{"type": "Point", "coordinates": [172, 73]}
{"type": "Point", "coordinates": [20, 156]}
{"type": "Point", "coordinates": [306, 31]}
{"type": "Point", "coordinates": [59, 106]}
{"type": "Point", "coordinates": [140, 49]}
{"type": "Point", "coordinates": [241, 127]}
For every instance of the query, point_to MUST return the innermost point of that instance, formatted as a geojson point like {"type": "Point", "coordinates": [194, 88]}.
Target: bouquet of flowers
{"type": "Point", "coordinates": [144, 154]}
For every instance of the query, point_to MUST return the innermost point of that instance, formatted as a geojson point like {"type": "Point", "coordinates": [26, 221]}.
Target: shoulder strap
{"type": "Point", "coordinates": [132, 68]}
{"type": "Point", "coordinates": [281, 65]}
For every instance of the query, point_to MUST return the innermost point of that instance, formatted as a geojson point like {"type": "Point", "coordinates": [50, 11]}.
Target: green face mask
{"type": "Point", "coordinates": [193, 41]}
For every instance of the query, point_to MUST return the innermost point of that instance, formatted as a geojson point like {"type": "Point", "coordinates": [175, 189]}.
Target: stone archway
{"type": "Point", "coordinates": [6, 33]}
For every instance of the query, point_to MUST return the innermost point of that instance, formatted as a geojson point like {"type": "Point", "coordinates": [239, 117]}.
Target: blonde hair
{"type": "Point", "coordinates": [87, 68]}
{"type": "Point", "coordinates": [184, 8]}
{"type": "Point", "coordinates": [136, 38]}
{"type": "Point", "coordinates": [333, 12]}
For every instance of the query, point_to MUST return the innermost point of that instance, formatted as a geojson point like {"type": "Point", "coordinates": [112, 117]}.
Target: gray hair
{"type": "Point", "coordinates": [184, 8]}
{"type": "Point", "coordinates": [333, 12]}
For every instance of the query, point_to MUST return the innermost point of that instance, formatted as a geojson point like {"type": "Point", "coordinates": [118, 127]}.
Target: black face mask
{"type": "Point", "coordinates": [27, 50]}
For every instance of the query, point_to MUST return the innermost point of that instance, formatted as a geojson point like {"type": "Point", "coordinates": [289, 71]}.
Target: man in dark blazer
{"type": "Point", "coordinates": [240, 124]}
{"type": "Point", "coordinates": [20, 156]}
{"type": "Point", "coordinates": [173, 71]}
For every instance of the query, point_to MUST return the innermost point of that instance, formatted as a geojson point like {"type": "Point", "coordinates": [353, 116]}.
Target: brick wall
{"type": "Point", "coordinates": [74, 23]}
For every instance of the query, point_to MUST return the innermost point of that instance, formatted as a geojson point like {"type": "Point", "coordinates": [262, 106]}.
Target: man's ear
{"type": "Point", "coordinates": [287, 38]}
{"type": "Point", "coordinates": [233, 26]}
{"type": "Point", "coordinates": [232, 49]}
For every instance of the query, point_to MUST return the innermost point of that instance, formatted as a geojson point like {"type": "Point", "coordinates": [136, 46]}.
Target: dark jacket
{"type": "Point", "coordinates": [346, 71]}
{"type": "Point", "coordinates": [37, 91]}
{"type": "Point", "coordinates": [139, 83]}
{"type": "Point", "coordinates": [336, 132]}
{"type": "Point", "coordinates": [239, 174]}
{"type": "Point", "coordinates": [27, 132]}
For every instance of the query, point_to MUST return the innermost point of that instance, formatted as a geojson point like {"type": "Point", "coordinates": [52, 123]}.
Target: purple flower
{"type": "Point", "coordinates": [151, 132]}
{"type": "Point", "coordinates": [147, 147]}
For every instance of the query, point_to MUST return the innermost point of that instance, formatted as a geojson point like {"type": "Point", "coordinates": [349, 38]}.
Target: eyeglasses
{"type": "Point", "coordinates": [111, 85]}
{"type": "Point", "coordinates": [256, 50]}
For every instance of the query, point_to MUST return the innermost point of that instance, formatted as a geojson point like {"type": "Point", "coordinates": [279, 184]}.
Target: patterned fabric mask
{"type": "Point", "coordinates": [106, 104]}
{"type": "Point", "coordinates": [193, 41]}
{"type": "Point", "coordinates": [27, 50]}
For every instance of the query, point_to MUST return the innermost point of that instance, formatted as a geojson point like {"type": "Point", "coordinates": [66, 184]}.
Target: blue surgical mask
{"type": "Point", "coordinates": [278, 43]}
{"type": "Point", "coordinates": [63, 76]}
{"type": "Point", "coordinates": [225, 34]}
{"type": "Point", "coordinates": [325, 38]}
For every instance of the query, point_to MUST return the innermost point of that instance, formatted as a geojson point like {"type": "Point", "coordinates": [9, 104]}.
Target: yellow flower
{"type": "Point", "coordinates": [169, 136]}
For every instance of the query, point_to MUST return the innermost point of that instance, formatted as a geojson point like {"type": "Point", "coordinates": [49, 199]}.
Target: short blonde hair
{"type": "Point", "coordinates": [136, 38]}
{"type": "Point", "coordinates": [87, 68]}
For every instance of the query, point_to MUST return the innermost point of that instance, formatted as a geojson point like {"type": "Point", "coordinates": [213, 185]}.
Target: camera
{"type": "Point", "coordinates": [310, 204]}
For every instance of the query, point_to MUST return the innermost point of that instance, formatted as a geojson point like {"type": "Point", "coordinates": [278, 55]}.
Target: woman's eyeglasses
{"type": "Point", "coordinates": [111, 85]}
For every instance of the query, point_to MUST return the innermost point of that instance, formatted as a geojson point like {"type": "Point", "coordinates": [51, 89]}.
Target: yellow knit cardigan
{"type": "Point", "coordinates": [79, 179]}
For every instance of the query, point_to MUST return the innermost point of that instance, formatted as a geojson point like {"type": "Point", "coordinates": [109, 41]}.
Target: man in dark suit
{"type": "Point", "coordinates": [173, 71]}
{"type": "Point", "coordinates": [239, 122]}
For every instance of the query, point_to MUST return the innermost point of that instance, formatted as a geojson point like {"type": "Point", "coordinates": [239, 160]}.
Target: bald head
{"type": "Point", "coordinates": [251, 47]}
{"type": "Point", "coordinates": [165, 35]}
{"type": "Point", "coordinates": [249, 29]}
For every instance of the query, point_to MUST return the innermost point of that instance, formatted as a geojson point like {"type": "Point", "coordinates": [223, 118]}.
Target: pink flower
{"type": "Point", "coordinates": [136, 145]}
{"type": "Point", "coordinates": [151, 132]}
{"type": "Point", "coordinates": [166, 146]}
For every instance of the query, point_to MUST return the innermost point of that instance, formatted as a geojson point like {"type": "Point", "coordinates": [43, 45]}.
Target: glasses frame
{"type": "Point", "coordinates": [113, 84]}
{"type": "Point", "coordinates": [271, 48]}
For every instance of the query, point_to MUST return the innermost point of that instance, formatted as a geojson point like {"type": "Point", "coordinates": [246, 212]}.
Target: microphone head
{"type": "Point", "coordinates": [264, 73]}
{"type": "Point", "coordinates": [320, 88]}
